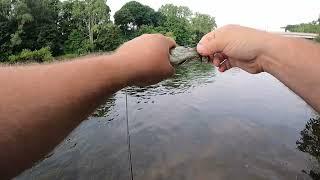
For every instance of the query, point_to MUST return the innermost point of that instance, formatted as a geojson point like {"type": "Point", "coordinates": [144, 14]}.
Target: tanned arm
{"type": "Point", "coordinates": [295, 62]}
{"type": "Point", "coordinates": [42, 104]}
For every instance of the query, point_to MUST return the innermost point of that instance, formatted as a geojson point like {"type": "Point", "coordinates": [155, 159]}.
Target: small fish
{"type": "Point", "coordinates": [180, 55]}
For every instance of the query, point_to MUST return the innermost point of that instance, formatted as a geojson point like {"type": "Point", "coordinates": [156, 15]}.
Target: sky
{"type": "Point", "coordinates": [267, 15]}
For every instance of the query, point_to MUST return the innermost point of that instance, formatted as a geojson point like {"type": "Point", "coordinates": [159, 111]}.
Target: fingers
{"type": "Point", "coordinates": [223, 68]}
{"type": "Point", "coordinates": [172, 42]}
{"type": "Point", "coordinates": [209, 44]}
{"type": "Point", "coordinates": [222, 62]}
{"type": "Point", "coordinates": [171, 72]}
{"type": "Point", "coordinates": [218, 58]}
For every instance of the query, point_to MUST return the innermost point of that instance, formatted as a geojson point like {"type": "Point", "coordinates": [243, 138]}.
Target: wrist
{"type": "Point", "coordinates": [118, 70]}
{"type": "Point", "coordinates": [269, 57]}
{"type": "Point", "coordinates": [125, 68]}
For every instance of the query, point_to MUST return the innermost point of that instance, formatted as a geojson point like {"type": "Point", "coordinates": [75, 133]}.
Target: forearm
{"type": "Point", "coordinates": [41, 104]}
{"type": "Point", "coordinates": [296, 63]}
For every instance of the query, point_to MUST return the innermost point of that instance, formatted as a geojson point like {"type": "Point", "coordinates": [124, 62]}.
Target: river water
{"type": "Point", "coordinates": [200, 124]}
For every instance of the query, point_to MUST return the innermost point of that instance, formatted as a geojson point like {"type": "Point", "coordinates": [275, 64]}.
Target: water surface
{"type": "Point", "coordinates": [198, 125]}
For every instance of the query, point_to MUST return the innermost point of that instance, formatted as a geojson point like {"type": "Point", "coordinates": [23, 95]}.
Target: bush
{"type": "Point", "coordinates": [67, 56]}
{"type": "Point", "coordinates": [77, 43]}
{"type": "Point", "coordinates": [318, 39]}
{"type": "Point", "coordinates": [41, 55]}
{"type": "Point", "coordinates": [109, 38]}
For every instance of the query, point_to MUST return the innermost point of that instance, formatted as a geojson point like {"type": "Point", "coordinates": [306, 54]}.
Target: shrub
{"type": "Point", "coordinates": [41, 55]}
{"type": "Point", "coordinates": [67, 56]}
{"type": "Point", "coordinates": [77, 43]}
{"type": "Point", "coordinates": [109, 38]}
{"type": "Point", "coordinates": [318, 39]}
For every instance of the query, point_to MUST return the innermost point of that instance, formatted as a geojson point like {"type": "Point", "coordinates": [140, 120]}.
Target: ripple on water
{"type": "Point", "coordinates": [197, 125]}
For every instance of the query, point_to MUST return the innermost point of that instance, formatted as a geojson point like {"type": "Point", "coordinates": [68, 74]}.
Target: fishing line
{"type": "Point", "coordinates": [178, 56]}
{"type": "Point", "coordinates": [129, 139]}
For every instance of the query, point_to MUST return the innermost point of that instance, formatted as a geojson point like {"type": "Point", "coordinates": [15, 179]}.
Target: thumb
{"type": "Point", "coordinates": [172, 43]}
{"type": "Point", "coordinates": [209, 44]}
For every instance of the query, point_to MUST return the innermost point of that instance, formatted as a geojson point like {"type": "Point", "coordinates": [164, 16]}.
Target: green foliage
{"type": "Point", "coordinates": [41, 55]}
{"type": "Point", "coordinates": [145, 29]}
{"type": "Point", "coordinates": [30, 24]}
{"type": "Point", "coordinates": [176, 12]}
{"type": "Point", "coordinates": [318, 39]}
{"type": "Point", "coordinates": [312, 27]}
{"type": "Point", "coordinates": [186, 28]}
{"type": "Point", "coordinates": [310, 143]}
{"type": "Point", "coordinates": [90, 15]}
{"type": "Point", "coordinates": [79, 27]}
{"type": "Point", "coordinates": [133, 15]}
{"type": "Point", "coordinates": [304, 27]}
{"type": "Point", "coordinates": [177, 22]}
{"type": "Point", "coordinates": [109, 37]}
{"type": "Point", "coordinates": [202, 24]}
{"type": "Point", "coordinates": [66, 56]}
{"type": "Point", "coordinates": [43, 30]}
{"type": "Point", "coordinates": [7, 28]}
{"type": "Point", "coordinates": [77, 43]}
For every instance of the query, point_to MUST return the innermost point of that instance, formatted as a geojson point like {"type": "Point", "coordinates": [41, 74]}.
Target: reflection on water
{"type": "Point", "coordinates": [310, 143]}
{"type": "Point", "coordinates": [103, 110]}
{"type": "Point", "coordinates": [200, 124]}
{"type": "Point", "coordinates": [189, 75]}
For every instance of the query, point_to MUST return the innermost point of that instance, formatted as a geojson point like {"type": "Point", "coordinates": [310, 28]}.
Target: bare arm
{"type": "Point", "coordinates": [295, 62]}
{"type": "Point", "coordinates": [42, 104]}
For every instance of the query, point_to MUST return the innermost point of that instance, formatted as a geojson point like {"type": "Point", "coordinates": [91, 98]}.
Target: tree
{"type": "Point", "coordinates": [77, 43]}
{"type": "Point", "coordinates": [176, 12]}
{"type": "Point", "coordinates": [91, 14]}
{"type": "Point", "coordinates": [8, 28]}
{"type": "Point", "coordinates": [34, 23]}
{"type": "Point", "coordinates": [44, 30]}
{"type": "Point", "coordinates": [304, 27]}
{"type": "Point", "coordinates": [312, 27]}
{"type": "Point", "coordinates": [133, 15]}
{"type": "Point", "coordinates": [22, 15]}
{"type": "Point", "coordinates": [109, 38]}
{"type": "Point", "coordinates": [310, 143]}
{"type": "Point", "coordinates": [67, 23]}
{"type": "Point", "coordinates": [318, 39]}
{"type": "Point", "coordinates": [177, 21]}
{"type": "Point", "coordinates": [201, 25]}
{"type": "Point", "coordinates": [83, 26]}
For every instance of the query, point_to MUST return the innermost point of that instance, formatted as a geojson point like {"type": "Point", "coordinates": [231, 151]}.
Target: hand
{"type": "Point", "coordinates": [241, 47]}
{"type": "Point", "coordinates": [147, 59]}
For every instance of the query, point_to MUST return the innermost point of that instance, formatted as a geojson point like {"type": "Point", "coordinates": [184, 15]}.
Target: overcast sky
{"type": "Point", "coordinates": [262, 14]}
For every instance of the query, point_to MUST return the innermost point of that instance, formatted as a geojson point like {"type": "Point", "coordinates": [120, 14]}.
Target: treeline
{"type": "Point", "coordinates": [42, 29]}
{"type": "Point", "coordinates": [312, 27]}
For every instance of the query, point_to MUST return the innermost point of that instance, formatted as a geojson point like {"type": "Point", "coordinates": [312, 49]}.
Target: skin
{"type": "Point", "coordinates": [295, 62]}
{"type": "Point", "coordinates": [42, 104]}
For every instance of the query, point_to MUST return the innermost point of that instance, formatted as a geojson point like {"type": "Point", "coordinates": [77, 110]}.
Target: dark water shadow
{"type": "Point", "coordinates": [104, 109]}
{"type": "Point", "coordinates": [309, 143]}
{"type": "Point", "coordinates": [187, 76]}
{"type": "Point", "coordinates": [200, 126]}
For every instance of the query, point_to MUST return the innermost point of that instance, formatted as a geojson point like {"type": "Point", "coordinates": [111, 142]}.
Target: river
{"type": "Point", "coordinates": [200, 124]}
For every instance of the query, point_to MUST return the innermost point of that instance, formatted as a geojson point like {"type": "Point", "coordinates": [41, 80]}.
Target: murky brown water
{"type": "Point", "coordinates": [199, 125]}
